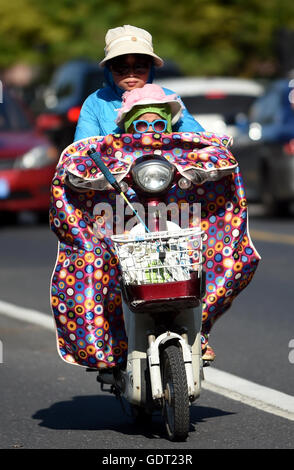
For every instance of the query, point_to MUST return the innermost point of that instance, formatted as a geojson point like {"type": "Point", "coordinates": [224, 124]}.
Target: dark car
{"type": "Point", "coordinates": [69, 87]}
{"type": "Point", "coordinates": [27, 161]}
{"type": "Point", "coordinates": [71, 84]}
{"type": "Point", "coordinates": [266, 152]}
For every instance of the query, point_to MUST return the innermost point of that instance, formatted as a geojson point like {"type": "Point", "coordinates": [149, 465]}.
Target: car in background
{"type": "Point", "coordinates": [27, 162]}
{"type": "Point", "coordinates": [266, 151]}
{"type": "Point", "coordinates": [219, 104]}
{"type": "Point", "coordinates": [70, 85]}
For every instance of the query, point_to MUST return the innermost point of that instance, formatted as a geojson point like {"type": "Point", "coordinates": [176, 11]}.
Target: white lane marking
{"type": "Point", "coordinates": [26, 315]}
{"type": "Point", "coordinates": [217, 381]}
{"type": "Point", "coordinates": [282, 238]}
{"type": "Point", "coordinates": [249, 393]}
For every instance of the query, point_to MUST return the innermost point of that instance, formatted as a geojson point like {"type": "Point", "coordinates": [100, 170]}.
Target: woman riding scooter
{"type": "Point", "coordinates": [86, 298]}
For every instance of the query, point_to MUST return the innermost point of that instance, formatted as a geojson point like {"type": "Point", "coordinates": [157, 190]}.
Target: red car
{"type": "Point", "coordinates": [27, 160]}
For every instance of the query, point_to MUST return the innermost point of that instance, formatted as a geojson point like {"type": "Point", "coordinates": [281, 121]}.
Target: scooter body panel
{"type": "Point", "coordinates": [140, 355]}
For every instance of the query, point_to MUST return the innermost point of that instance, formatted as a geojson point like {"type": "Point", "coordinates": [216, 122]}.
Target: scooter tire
{"type": "Point", "coordinates": [176, 407]}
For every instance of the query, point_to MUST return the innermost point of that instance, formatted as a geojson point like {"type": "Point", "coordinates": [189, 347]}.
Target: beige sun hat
{"type": "Point", "coordinates": [129, 39]}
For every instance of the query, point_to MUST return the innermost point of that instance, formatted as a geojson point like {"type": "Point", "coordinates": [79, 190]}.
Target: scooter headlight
{"type": "Point", "coordinates": [153, 176]}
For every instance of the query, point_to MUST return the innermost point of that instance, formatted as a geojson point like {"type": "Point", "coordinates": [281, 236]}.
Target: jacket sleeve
{"type": "Point", "coordinates": [186, 123]}
{"type": "Point", "coordinates": [88, 123]}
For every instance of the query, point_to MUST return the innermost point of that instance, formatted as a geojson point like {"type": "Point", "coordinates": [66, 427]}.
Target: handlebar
{"type": "Point", "coordinates": [103, 168]}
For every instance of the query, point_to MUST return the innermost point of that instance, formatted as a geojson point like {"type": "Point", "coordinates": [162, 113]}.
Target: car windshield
{"type": "Point", "coordinates": [64, 90]}
{"type": "Point", "coordinates": [93, 81]}
{"type": "Point", "coordinates": [218, 103]}
{"type": "Point", "coordinates": [71, 84]}
{"type": "Point", "coordinates": [12, 116]}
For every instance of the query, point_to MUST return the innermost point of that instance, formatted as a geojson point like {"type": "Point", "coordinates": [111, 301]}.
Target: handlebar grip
{"type": "Point", "coordinates": [103, 168]}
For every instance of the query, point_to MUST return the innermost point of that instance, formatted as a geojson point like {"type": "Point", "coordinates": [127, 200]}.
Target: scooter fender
{"type": "Point", "coordinates": [153, 355]}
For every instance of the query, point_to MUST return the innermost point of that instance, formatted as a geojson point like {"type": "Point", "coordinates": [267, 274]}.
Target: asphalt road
{"type": "Point", "coordinates": [47, 404]}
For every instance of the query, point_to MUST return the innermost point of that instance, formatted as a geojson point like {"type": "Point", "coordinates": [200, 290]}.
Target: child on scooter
{"type": "Point", "coordinates": [148, 109]}
{"type": "Point", "coordinates": [150, 104]}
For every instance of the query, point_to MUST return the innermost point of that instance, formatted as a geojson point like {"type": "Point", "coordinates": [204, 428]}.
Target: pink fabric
{"type": "Point", "coordinates": [148, 94]}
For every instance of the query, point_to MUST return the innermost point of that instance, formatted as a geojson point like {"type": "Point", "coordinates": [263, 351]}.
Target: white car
{"type": "Point", "coordinates": [219, 104]}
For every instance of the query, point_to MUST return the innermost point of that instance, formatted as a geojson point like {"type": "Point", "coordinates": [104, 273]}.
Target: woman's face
{"type": "Point", "coordinates": [130, 71]}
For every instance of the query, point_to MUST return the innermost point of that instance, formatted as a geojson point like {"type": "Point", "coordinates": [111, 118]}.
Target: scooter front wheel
{"type": "Point", "coordinates": [176, 400]}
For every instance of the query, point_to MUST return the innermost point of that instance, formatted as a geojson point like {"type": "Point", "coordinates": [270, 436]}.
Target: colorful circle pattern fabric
{"type": "Point", "coordinates": [85, 292]}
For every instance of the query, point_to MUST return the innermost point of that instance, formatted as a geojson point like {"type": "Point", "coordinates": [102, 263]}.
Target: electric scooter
{"type": "Point", "coordinates": [162, 284]}
{"type": "Point", "coordinates": [138, 324]}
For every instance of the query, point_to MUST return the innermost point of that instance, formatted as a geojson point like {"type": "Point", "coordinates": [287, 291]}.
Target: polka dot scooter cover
{"type": "Point", "coordinates": [85, 292]}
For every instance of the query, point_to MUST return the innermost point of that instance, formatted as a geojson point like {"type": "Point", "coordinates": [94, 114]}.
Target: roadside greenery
{"type": "Point", "coordinates": [203, 36]}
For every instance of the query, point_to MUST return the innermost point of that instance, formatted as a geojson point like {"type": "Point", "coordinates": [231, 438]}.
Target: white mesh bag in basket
{"type": "Point", "coordinates": [159, 256]}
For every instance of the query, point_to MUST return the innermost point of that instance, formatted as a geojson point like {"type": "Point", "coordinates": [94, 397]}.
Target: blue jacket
{"type": "Point", "coordinates": [99, 112]}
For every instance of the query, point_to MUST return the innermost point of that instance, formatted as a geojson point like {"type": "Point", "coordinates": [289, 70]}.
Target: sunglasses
{"type": "Point", "coordinates": [141, 126]}
{"type": "Point", "coordinates": [125, 69]}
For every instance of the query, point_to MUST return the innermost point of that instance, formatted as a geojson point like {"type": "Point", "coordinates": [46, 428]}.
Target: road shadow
{"type": "Point", "coordinates": [24, 219]}
{"type": "Point", "coordinates": [92, 413]}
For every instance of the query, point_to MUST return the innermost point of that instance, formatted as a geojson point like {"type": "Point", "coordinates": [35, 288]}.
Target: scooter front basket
{"type": "Point", "coordinates": [158, 267]}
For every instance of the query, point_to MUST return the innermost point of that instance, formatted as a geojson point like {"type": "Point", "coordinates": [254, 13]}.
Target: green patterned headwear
{"type": "Point", "coordinates": [163, 110]}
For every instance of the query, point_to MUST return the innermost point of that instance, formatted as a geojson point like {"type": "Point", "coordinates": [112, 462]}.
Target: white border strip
{"type": "Point", "coordinates": [26, 315]}
{"type": "Point", "coordinates": [249, 393]}
{"type": "Point", "coordinates": [217, 381]}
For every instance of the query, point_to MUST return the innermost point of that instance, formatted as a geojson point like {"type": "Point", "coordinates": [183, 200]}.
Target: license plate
{"type": "Point", "coordinates": [4, 188]}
